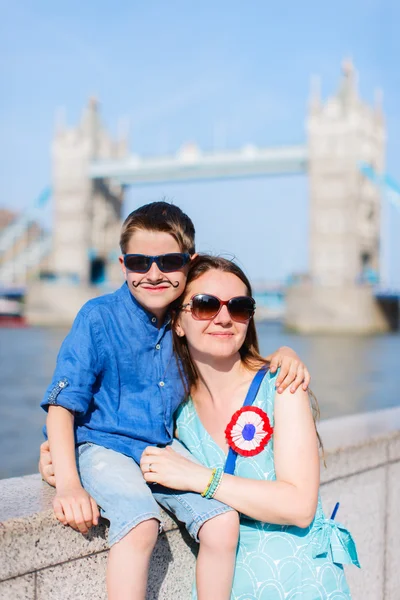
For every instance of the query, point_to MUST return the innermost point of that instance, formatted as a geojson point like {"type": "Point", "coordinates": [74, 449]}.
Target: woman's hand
{"type": "Point", "coordinates": [293, 371]}
{"type": "Point", "coordinates": [167, 467]}
{"type": "Point", "coordinates": [46, 467]}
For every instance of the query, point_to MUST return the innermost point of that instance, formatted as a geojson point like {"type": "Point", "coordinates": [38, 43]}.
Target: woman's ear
{"type": "Point", "coordinates": [178, 330]}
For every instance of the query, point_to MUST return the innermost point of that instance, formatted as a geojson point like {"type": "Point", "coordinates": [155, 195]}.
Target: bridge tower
{"type": "Point", "coordinates": [344, 230]}
{"type": "Point", "coordinates": [86, 223]}
{"type": "Point", "coordinates": [87, 213]}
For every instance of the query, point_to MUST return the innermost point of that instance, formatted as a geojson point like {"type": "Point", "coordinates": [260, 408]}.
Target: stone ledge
{"type": "Point", "coordinates": [354, 460]}
{"type": "Point", "coordinates": [358, 443]}
{"type": "Point", "coordinates": [353, 430]}
{"type": "Point", "coordinates": [30, 536]}
{"type": "Point", "coordinates": [171, 574]}
{"type": "Point", "coordinates": [21, 588]}
{"type": "Point", "coordinates": [36, 551]}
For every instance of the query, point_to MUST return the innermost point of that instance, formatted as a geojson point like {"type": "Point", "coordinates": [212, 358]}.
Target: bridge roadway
{"type": "Point", "coordinates": [191, 164]}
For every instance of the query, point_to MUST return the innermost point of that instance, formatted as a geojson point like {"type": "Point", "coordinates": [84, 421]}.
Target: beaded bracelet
{"type": "Point", "coordinates": [218, 484]}
{"type": "Point", "coordinates": [215, 483]}
{"type": "Point", "coordinates": [206, 491]}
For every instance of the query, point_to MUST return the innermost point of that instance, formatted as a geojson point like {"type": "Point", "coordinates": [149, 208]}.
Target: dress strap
{"type": "Point", "coordinates": [248, 401]}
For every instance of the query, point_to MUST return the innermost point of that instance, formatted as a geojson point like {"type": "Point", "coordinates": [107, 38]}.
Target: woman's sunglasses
{"type": "Point", "coordinates": [167, 263]}
{"type": "Point", "coordinates": [205, 307]}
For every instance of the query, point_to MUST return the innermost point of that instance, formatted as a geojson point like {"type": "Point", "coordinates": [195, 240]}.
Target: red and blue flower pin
{"type": "Point", "coordinates": [249, 431]}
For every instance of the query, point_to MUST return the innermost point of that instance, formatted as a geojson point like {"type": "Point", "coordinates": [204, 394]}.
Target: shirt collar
{"type": "Point", "coordinates": [139, 311]}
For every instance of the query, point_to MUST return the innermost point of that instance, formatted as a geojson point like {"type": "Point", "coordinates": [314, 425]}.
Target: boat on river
{"type": "Point", "coordinates": [12, 307]}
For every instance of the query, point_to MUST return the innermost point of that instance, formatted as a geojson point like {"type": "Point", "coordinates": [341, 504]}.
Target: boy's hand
{"type": "Point", "coordinates": [46, 468]}
{"type": "Point", "coordinates": [72, 504]}
{"type": "Point", "coordinates": [74, 507]}
{"type": "Point", "coordinates": [293, 371]}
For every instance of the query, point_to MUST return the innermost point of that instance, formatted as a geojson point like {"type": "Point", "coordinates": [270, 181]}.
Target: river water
{"type": "Point", "coordinates": [349, 375]}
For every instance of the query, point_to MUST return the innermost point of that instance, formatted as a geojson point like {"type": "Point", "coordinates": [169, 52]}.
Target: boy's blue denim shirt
{"type": "Point", "coordinates": [116, 371]}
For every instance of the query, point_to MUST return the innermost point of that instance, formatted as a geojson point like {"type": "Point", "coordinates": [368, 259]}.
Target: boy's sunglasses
{"type": "Point", "coordinates": [167, 263]}
{"type": "Point", "coordinates": [205, 307]}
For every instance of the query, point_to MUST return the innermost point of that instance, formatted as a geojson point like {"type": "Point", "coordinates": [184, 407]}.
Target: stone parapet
{"type": "Point", "coordinates": [334, 309]}
{"type": "Point", "coordinates": [56, 304]}
{"type": "Point", "coordinates": [40, 559]}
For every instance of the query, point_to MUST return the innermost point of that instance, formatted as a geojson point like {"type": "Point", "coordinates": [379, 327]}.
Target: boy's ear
{"type": "Point", "coordinates": [121, 262]}
{"type": "Point", "coordinates": [193, 256]}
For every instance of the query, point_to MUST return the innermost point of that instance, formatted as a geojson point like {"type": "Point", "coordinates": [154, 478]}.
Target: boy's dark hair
{"type": "Point", "coordinates": [160, 216]}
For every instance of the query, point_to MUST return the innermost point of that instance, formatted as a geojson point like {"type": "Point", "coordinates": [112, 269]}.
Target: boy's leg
{"type": "Point", "coordinates": [215, 526]}
{"type": "Point", "coordinates": [117, 485]}
{"type": "Point", "coordinates": [128, 562]}
{"type": "Point", "coordinates": [216, 560]}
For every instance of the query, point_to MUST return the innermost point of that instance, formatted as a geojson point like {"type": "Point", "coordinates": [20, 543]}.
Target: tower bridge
{"type": "Point", "coordinates": [191, 164]}
{"type": "Point", "coordinates": [343, 157]}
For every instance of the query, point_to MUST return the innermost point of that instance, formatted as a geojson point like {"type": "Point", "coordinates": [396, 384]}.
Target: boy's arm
{"type": "Point", "coordinates": [72, 504]}
{"type": "Point", "coordinates": [60, 430]}
{"type": "Point", "coordinates": [293, 371]}
{"type": "Point", "coordinates": [79, 363]}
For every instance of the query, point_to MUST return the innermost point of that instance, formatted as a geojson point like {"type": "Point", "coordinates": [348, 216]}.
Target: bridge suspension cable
{"type": "Point", "coordinates": [14, 262]}
{"type": "Point", "coordinates": [391, 193]}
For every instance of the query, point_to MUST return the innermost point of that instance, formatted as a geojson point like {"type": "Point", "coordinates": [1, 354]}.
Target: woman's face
{"type": "Point", "coordinates": [220, 337]}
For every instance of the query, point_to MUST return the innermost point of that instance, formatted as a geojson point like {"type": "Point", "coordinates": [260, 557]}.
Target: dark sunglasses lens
{"type": "Point", "coordinates": [241, 309]}
{"type": "Point", "coordinates": [205, 307]}
{"type": "Point", "coordinates": [171, 262]}
{"type": "Point", "coordinates": [137, 262]}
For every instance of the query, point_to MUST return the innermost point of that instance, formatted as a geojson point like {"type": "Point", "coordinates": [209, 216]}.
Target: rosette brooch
{"type": "Point", "coordinates": [249, 431]}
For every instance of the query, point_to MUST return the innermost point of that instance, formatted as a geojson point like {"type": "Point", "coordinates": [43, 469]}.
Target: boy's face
{"type": "Point", "coordinates": [154, 290]}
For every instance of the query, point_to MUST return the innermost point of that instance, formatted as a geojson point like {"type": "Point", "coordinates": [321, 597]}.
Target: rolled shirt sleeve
{"type": "Point", "coordinates": [78, 365]}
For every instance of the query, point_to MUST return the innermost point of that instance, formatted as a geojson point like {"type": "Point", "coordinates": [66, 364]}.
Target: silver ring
{"type": "Point", "coordinates": [150, 469]}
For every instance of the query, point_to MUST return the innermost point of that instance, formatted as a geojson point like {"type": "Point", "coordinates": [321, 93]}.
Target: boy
{"type": "Point", "coordinates": [114, 392]}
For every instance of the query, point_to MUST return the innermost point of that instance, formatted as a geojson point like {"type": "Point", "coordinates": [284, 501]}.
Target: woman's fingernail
{"type": "Point", "coordinates": [280, 390]}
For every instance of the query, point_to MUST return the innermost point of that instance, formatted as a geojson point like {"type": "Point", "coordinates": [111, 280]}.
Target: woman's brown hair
{"type": "Point", "coordinates": [249, 352]}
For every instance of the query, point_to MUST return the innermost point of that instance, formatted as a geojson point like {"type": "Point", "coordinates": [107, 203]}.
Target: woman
{"type": "Point", "coordinates": [287, 547]}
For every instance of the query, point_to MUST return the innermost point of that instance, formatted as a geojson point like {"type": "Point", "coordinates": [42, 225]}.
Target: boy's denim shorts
{"type": "Point", "coordinates": [116, 483]}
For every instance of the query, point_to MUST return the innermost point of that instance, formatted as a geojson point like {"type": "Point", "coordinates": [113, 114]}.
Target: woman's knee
{"type": "Point", "coordinates": [221, 532]}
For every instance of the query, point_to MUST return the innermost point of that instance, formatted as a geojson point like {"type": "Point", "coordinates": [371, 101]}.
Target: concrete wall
{"type": "Point", "coordinates": [321, 309]}
{"type": "Point", "coordinates": [40, 559]}
{"type": "Point", "coordinates": [56, 304]}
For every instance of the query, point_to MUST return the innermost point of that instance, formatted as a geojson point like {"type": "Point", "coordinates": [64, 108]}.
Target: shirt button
{"type": "Point", "coordinates": [161, 384]}
{"type": "Point", "coordinates": [158, 346]}
{"type": "Point", "coordinates": [154, 319]}
{"type": "Point", "coordinates": [61, 384]}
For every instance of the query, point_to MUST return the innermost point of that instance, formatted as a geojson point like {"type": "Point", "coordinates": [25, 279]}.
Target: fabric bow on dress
{"type": "Point", "coordinates": [333, 537]}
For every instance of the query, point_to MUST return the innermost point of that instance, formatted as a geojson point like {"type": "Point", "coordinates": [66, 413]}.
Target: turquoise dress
{"type": "Point", "coordinates": [275, 562]}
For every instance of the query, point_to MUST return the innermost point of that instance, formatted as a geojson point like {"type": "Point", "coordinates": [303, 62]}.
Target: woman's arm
{"type": "Point", "coordinates": [45, 465]}
{"type": "Point", "coordinates": [290, 500]}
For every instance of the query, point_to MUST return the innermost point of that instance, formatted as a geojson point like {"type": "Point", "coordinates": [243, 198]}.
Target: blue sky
{"type": "Point", "coordinates": [221, 74]}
